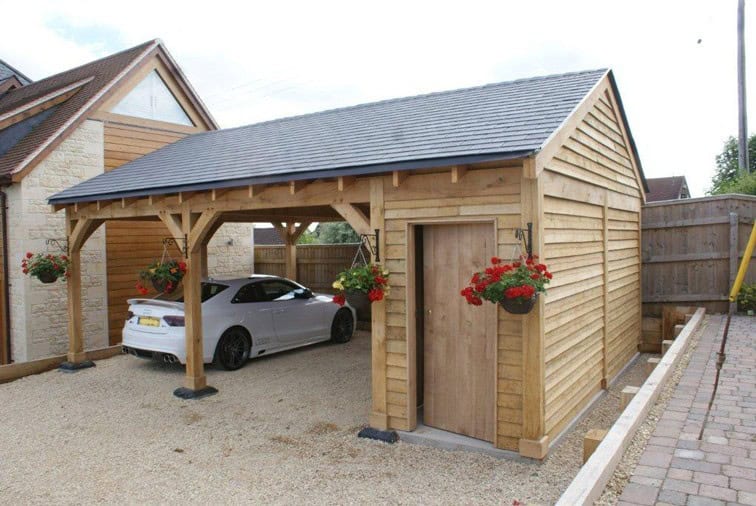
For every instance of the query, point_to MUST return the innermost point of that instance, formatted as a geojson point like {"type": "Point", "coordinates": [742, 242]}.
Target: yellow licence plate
{"type": "Point", "coordinates": [149, 321]}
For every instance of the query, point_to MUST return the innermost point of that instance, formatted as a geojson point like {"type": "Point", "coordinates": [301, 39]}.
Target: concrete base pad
{"type": "Point", "coordinates": [186, 393]}
{"type": "Point", "coordinates": [437, 438]}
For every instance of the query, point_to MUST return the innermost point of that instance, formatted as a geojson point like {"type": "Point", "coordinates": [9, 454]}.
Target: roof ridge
{"type": "Point", "coordinates": [406, 98]}
{"type": "Point", "coordinates": [108, 57]}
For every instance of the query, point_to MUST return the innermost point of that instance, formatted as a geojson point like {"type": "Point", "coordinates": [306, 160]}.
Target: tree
{"type": "Point", "coordinates": [308, 237]}
{"type": "Point", "coordinates": [336, 233]}
{"type": "Point", "coordinates": [727, 165]}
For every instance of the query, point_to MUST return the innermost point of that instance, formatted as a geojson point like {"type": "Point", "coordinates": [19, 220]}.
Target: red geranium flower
{"type": "Point", "coordinates": [29, 254]}
{"type": "Point", "coordinates": [339, 299]}
{"type": "Point", "coordinates": [375, 294]}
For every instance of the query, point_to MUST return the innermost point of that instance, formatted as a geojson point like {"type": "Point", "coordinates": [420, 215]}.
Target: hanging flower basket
{"type": "Point", "coordinates": [361, 285]}
{"type": "Point", "coordinates": [46, 267]}
{"type": "Point", "coordinates": [515, 286]}
{"type": "Point", "coordinates": [164, 276]}
{"type": "Point", "coordinates": [519, 305]}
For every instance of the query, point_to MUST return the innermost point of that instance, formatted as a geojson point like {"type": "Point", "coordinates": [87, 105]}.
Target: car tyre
{"type": "Point", "coordinates": [233, 348]}
{"type": "Point", "coordinates": [342, 327]}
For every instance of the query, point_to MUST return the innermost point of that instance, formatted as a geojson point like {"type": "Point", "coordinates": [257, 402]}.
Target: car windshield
{"type": "Point", "coordinates": [209, 290]}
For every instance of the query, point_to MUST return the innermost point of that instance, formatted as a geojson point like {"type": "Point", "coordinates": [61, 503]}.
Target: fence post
{"type": "Point", "coordinates": [734, 250]}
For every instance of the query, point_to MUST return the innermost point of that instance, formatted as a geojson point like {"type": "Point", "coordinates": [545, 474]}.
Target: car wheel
{"type": "Point", "coordinates": [232, 351]}
{"type": "Point", "coordinates": [342, 327]}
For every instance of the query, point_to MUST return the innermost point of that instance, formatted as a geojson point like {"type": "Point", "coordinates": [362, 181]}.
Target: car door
{"type": "Point", "coordinates": [295, 320]}
{"type": "Point", "coordinates": [256, 315]}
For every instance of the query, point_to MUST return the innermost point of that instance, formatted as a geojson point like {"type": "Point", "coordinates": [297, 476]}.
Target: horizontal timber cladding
{"type": "Point", "coordinates": [317, 264]}
{"type": "Point", "coordinates": [131, 245]}
{"type": "Point", "coordinates": [484, 194]}
{"type": "Point", "coordinates": [591, 232]}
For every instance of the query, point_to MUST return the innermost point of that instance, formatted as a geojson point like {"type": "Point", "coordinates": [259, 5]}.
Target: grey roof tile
{"type": "Point", "coordinates": [497, 120]}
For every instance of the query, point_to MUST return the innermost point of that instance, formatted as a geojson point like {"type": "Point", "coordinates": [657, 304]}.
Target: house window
{"type": "Point", "coordinates": [151, 99]}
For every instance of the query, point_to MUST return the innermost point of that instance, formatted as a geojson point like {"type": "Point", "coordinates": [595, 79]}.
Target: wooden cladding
{"type": "Point", "coordinates": [131, 245]}
{"type": "Point", "coordinates": [592, 240]}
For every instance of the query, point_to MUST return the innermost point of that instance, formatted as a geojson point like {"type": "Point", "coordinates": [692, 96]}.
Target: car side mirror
{"type": "Point", "coordinates": [303, 293]}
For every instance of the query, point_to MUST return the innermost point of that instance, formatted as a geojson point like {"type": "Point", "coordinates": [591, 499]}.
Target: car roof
{"type": "Point", "coordinates": [238, 282]}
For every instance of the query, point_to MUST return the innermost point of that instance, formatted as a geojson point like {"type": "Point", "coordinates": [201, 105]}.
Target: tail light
{"type": "Point", "coordinates": [129, 315]}
{"type": "Point", "coordinates": [174, 321]}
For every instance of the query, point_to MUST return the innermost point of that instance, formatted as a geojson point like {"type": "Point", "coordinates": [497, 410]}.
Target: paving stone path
{"type": "Point", "coordinates": [677, 468]}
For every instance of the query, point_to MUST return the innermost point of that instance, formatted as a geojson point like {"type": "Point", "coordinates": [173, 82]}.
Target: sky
{"type": "Point", "coordinates": [674, 61]}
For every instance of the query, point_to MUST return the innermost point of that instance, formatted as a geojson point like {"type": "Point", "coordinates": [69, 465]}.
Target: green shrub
{"type": "Point", "coordinates": [747, 298]}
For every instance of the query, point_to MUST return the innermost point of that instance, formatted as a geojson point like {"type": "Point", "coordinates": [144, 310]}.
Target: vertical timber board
{"type": "Point", "coordinates": [533, 423]}
{"type": "Point", "coordinates": [378, 415]}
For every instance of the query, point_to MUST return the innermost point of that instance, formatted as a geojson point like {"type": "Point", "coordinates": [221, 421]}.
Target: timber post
{"type": "Point", "coordinates": [534, 442]}
{"type": "Point", "coordinates": [195, 227]}
{"type": "Point", "coordinates": [77, 233]}
{"type": "Point", "coordinates": [379, 408]}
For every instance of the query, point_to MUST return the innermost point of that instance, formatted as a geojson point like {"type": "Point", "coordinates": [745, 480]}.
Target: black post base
{"type": "Point", "coordinates": [188, 393]}
{"type": "Point", "coordinates": [387, 436]}
{"type": "Point", "coordinates": [75, 366]}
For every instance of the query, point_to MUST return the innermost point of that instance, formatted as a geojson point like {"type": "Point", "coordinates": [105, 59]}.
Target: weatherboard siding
{"type": "Point", "coordinates": [487, 195]}
{"type": "Point", "coordinates": [591, 207]}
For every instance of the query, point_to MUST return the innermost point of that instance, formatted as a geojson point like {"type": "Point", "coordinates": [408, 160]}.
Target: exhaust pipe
{"type": "Point", "coordinates": [170, 359]}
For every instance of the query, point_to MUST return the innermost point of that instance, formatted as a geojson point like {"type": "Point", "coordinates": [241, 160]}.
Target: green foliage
{"type": "Point", "coordinates": [517, 280]}
{"type": "Point", "coordinates": [42, 264]}
{"type": "Point", "coordinates": [336, 233]}
{"type": "Point", "coordinates": [747, 298]}
{"type": "Point", "coordinates": [362, 278]}
{"type": "Point", "coordinates": [745, 185]}
{"type": "Point", "coordinates": [167, 275]}
{"type": "Point", "coordinates": [307, 237]}
{"type": "Point", "coordinates": [727, 166]}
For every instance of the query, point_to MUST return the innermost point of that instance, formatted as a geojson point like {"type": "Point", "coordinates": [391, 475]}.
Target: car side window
{"type": "Point", "coordinates": [247, 293]}
{"type": "Point", "coordinates": [276, 290]}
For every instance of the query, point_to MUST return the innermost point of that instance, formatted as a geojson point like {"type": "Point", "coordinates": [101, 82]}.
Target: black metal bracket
{"type": "Point", "coordinates": [76, 366]}
{"type": "Point", "coordinates": [171, 241]}
{"type": "Point", "coordinates": [373, 249]}
{"type": "Point", "coordinates": [521, 235]}
{"type": "Point", "coordinates": [61, 244]}
{"type": "Point", "coordinates": [387, 436]}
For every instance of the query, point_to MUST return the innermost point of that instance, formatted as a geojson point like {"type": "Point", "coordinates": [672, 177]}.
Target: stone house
{"type": "Point", "coordinates": [67, 128]}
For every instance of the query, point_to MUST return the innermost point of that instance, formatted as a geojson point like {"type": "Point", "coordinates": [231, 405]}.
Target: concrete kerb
{"type": "Point", "coordinates": [595, 474]}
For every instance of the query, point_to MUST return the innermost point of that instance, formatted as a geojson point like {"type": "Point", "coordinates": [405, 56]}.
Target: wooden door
{"type": "Point", "coordinates": [459, 339]}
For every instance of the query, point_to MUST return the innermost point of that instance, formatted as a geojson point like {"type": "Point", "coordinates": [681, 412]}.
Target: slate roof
{"type": "Point", "coordinates": [667, 188]}
{"type": "Point", "coordinates": [6, 72]}
{"type": "Point", "coordinates": [492, 122]}
{"type": "Point", "coordinates": [103, 72]}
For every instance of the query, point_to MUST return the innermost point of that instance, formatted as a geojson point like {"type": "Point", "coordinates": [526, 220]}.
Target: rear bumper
{"type": "Point", "coordinates": [170, 344]}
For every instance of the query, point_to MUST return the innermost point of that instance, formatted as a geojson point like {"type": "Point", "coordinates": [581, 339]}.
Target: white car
{"type": "Point", "coordinates": [241, 318]}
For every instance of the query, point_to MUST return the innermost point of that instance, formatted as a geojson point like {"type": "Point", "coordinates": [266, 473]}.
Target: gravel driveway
{"type": "Point", "coordinates": [282, 430]}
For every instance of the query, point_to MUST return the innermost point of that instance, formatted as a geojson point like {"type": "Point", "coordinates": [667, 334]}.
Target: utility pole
{"type": "Point", "coordinates": [742, 115]}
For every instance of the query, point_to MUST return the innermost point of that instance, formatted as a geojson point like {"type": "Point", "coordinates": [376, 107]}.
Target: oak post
{"type": "Point", "coordinates": [195, 228]}
{"type": "Point", "coordinates": [534, 442]}
{"type": "Point", "coordinates": [378, 414]}
{"type": "Point", "coordinates": [77, 232]}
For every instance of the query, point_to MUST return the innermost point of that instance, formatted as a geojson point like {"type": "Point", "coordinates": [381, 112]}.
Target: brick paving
{"type": "Point", "coordinates": [677, 468]}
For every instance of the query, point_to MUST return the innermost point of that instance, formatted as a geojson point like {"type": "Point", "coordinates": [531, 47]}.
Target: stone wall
{"type": "Point", "coordinates": [229, 252]}
{"type": "Point", "coordinates": [39, 316]}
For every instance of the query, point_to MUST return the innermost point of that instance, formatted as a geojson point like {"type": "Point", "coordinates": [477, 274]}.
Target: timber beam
{"type": "Point", "coordinates": [354, 216]}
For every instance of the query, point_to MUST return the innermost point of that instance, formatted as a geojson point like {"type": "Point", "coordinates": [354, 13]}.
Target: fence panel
{"type": "Point", "coordinates": [691, 250]}
{"type": "Point", "coordinates": [317, 264]}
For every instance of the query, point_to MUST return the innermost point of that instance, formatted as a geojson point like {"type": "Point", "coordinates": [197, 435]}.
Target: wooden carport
{"type": "Point", "coordinates": [445, 179]}
{"type": "Point", "coordinates": [192, 218]}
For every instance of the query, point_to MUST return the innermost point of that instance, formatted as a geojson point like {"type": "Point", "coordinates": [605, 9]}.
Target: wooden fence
{"type": "Point", "coordinates": [317, 264]}
{"type": "Point", "coordinates": [691, 250]}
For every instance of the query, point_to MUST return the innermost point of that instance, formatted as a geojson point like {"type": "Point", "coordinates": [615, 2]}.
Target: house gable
{"type": "Point", "coordinates": [151, 99]}
{"type": "Point", "coordinates": [158, 69]}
